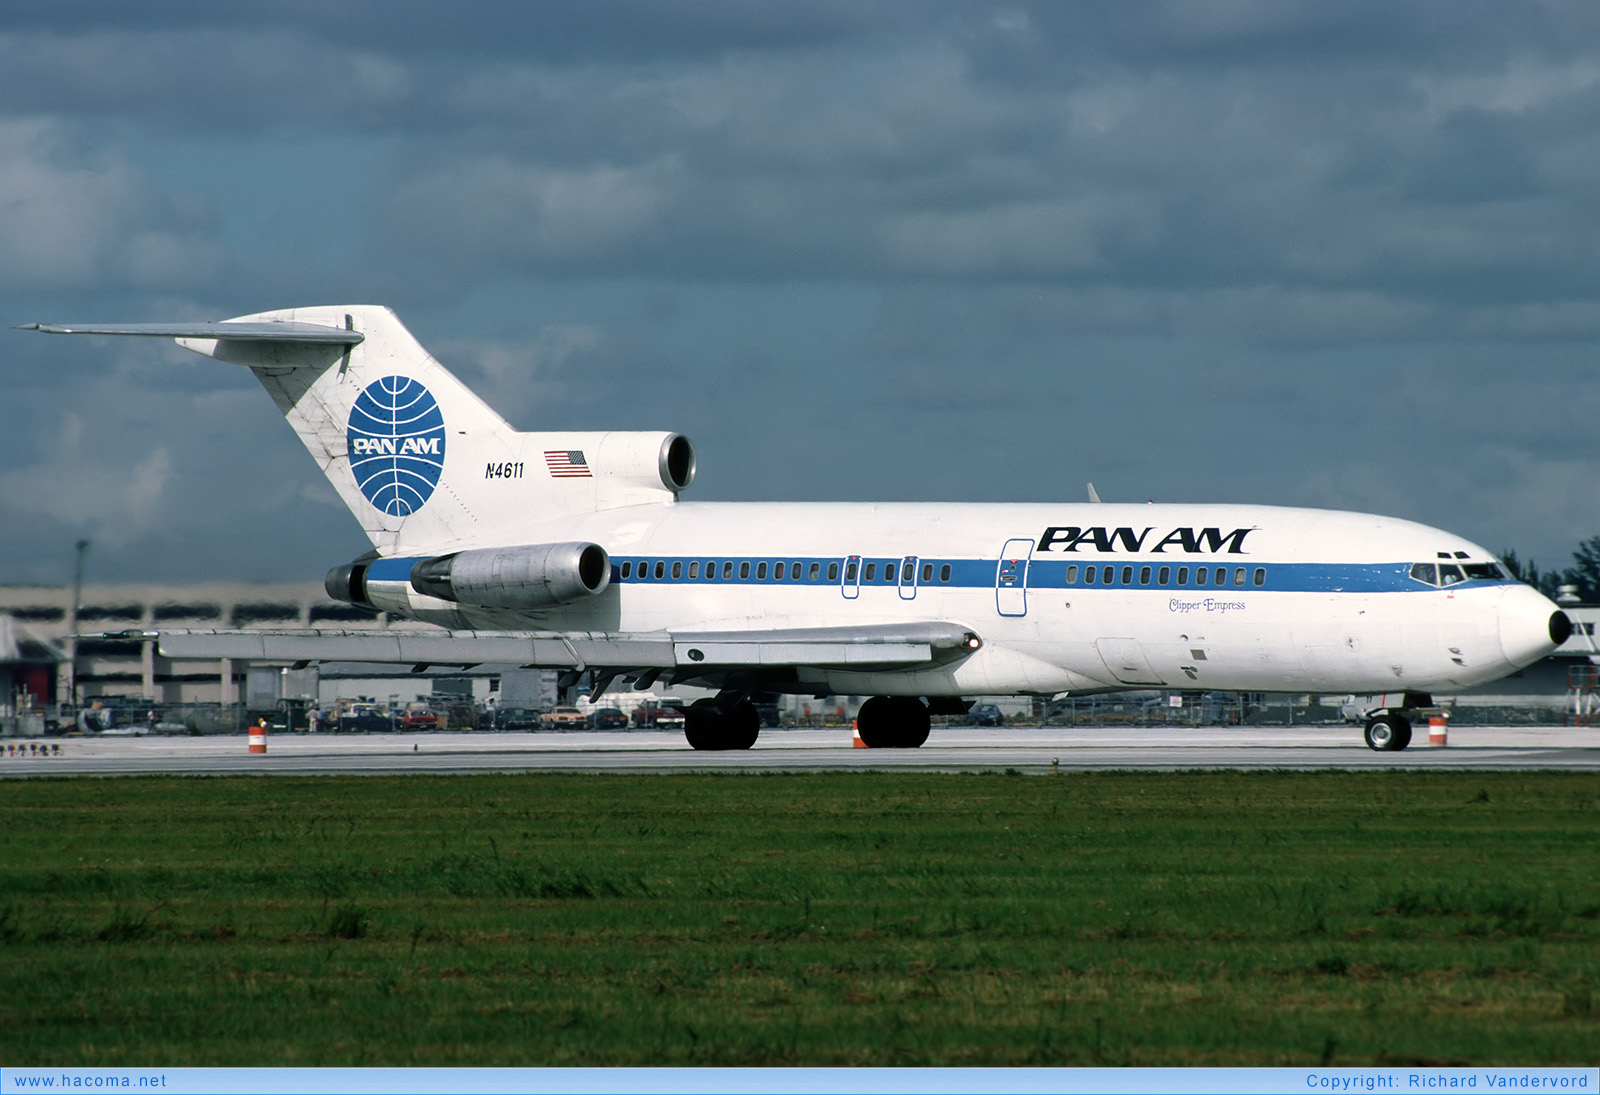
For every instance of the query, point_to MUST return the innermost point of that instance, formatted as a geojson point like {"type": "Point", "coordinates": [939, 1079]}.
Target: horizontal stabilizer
{"type": "Point", "coordinates": [233, 332]}
{"type": "Point", "coordinates": [904, 644]}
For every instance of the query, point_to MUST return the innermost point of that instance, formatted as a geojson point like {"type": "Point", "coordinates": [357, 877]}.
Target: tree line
{"type": "Point", "coordinates": [1584, 574]}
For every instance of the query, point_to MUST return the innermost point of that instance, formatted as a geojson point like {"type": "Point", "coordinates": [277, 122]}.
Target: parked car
{"type": "Point", "coordinates": [418, 716]}
{"type": "Point", "coordinates": [666, 713]}
{"type": "Point", "coordinates": [985, 714]}
{"type": "Point", "coordinates": [363, 718]}
{"type": "Point", "coordinates": [607, 718]}
{"type": "Point", "coordinates": [516, 718]}
{"type": "Point", "coordinates": [563, 718]}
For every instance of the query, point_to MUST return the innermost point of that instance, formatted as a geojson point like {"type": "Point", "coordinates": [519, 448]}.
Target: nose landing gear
{"type": "Point", "coordinates": [1389, 728]}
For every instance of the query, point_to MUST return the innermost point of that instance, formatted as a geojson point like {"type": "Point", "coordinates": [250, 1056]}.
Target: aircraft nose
{"type": "Point", "coordinates": [1531, 626]}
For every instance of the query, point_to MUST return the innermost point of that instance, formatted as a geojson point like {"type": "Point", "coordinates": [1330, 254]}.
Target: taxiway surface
{"type": "Point", "coordinates": [963, 749]}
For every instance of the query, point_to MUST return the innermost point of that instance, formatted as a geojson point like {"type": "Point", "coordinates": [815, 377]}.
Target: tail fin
{"type": "Point", "coordinates": [422, 462]}
{"type": "Point", "coordinates": [384, 421]}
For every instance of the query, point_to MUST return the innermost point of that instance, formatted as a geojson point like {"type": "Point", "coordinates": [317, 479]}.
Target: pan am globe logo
{"type": "Point", "coordinates": [396, 437]}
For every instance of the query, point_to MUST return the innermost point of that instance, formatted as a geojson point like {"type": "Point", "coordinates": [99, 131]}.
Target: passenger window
{"type": "Point", "coordinates": [1425, 572]}
{"type": "Point", "coordinates": [744, 570]}
{"type": "Point", "coordinates": [727, 569]}
{"type": "Point", "coordinates": [661, 570]}
{"type": "Point", "coordinates": [889, 571]}
{"type": "Point", "coordinates": [1450, 574]}
{"type": "Point", "coordinates": [1183, 576]}
{"type": "Point", "coordinates": [1127, 576]}
{"type": "Point", "coordinates": [1238, 576]}
{"type": "Point", "coordinates": [1105, 575]}
{"type": "Point", "coordinates": [871, 574]}
{"type": "Point", "coordinates": [761, 571]}
{"type": "Point", "coordinates": [1164, 576]}
{"type": "Point", "coordinates": [816, 572]}
{"type": "Point", "coordinates": [711, 569]}
{"type": "Point", "coordinates": [1072, 574]}
{"type": "Point", "coordinates": [1200, 576]}
{"type": "Point", "coordinates": [907, 572]}
{"type": "Point", "coordinates": [1088, 575]}
{"type": "Point", "coordinates": [849, 570]}
{"type": "Point", "coordinates": [927, 572]}
{"type": "Point", "coordinates": [1260, 576]}
{"type": "Point", "coordinates": [1144, 576]}
{"type": "Point", "coordinates": [778, 571]}
{"type": "Point", "coordinates": [694, 570]}
{"type": "Point", "coordinates": [677, 570]}
{"type": "Point", "coordinates": [944, 573]}
{"type": "Point", "coordinates": [794, 570]}
{"type": "Point", "coordinates": [627, 570]}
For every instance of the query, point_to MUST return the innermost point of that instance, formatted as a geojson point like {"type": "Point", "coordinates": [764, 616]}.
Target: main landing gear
{"type": "Point", "coordinates": [723, 723]}
{"type": "Point", "coordinates": [893, 722]}
{"type": "Point", "coordinates": [1389, 728]}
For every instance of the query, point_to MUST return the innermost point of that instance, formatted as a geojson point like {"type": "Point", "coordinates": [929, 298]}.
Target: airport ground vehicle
{"type": "Point", "coordinates": [573, 550]}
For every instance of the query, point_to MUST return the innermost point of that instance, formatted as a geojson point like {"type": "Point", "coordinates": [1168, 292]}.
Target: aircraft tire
{"type": "Point", "coordinates": [741, 726]}
{"type": "Point", "coordinates": [914, 723]}
{"type": "Point", "coordinates": [1402, 732]}
{"type": "Point", "coordinates": [893, 722]}
{"type": "Point", "coordinates": [1387, 733]}
{"type": "Point", "coordinates": [707, 728]}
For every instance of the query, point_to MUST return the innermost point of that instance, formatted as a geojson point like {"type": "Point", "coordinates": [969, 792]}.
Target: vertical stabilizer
{"type": "Point", "coordinates": [391, 428]}
{"type": "Point", "coordinates": [422, 462]}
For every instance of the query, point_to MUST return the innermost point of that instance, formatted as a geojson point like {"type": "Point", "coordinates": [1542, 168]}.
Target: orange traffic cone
{"type": "Point", "coordinates": [855, 728]}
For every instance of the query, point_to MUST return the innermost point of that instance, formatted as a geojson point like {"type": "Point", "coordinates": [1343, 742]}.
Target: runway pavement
{"type": "Point", "coordinates": [960, 749]}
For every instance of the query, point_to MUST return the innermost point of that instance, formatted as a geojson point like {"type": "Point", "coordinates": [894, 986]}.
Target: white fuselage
{"type": "Point", "coordinates": [1186, 596]}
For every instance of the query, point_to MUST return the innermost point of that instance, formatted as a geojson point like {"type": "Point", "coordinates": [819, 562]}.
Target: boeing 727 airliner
{"type": "Point", "coordinates": [575, 551]}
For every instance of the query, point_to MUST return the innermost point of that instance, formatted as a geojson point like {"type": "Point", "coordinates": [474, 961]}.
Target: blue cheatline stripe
{"type": "Point", "coordinates": [980, 573]}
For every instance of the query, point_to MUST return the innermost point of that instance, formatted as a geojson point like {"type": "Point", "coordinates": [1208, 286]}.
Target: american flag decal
{"type": "Point", "coordinates": [568, 464]}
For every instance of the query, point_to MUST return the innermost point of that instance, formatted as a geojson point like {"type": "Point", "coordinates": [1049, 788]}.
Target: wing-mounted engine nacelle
{"type": "Point", "coordinates": [530, 576]}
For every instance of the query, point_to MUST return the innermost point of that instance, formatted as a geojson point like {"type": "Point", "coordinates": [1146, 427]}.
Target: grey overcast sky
{"type": "Point", "coordinates": [1307, 253]}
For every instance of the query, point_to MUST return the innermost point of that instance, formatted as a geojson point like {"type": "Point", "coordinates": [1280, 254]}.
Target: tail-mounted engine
{"type": "Point", "coordinates": [531, 576]}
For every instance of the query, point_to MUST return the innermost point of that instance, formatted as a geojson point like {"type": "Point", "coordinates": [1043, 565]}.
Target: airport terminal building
{"type": "Point", "coordinates": [40, 621]}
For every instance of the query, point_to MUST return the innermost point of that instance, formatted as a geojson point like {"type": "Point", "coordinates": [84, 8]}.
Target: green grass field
{"type": "Point", "coordinates": [871, 918]}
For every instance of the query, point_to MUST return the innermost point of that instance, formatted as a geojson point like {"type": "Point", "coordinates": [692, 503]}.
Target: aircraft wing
{"type": "Point", "coordinates": [907, 644]}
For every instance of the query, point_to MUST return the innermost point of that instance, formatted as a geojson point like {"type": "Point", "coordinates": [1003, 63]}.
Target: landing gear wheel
{"type": "Point", "coordinates": [914, 722]}
{"type": "Point", "coordinates": [1388, 733]}
{"type": "Point", "coordinates": [893, 722]}
{"type": "Point", "coordinates": [707, 728]}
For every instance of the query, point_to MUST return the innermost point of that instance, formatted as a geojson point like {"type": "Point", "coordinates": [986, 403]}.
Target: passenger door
{"type": "Point", "coordinates": [1011, 578]}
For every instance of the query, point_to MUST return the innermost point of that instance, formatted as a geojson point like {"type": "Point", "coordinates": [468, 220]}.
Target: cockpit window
{"type": "Point", "coordinates": [1425, 572]}
{"type": "Point", "coordinates": [1485, 571]}
{"type": "Point", "coordinates": [1450, 574]}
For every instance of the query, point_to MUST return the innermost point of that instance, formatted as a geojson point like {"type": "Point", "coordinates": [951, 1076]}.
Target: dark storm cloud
{"type": "Point", "coordinates": [1272, 251]}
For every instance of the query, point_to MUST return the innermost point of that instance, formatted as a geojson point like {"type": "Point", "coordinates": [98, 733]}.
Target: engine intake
{"type": "Point", "coordinates": [530, 576]}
